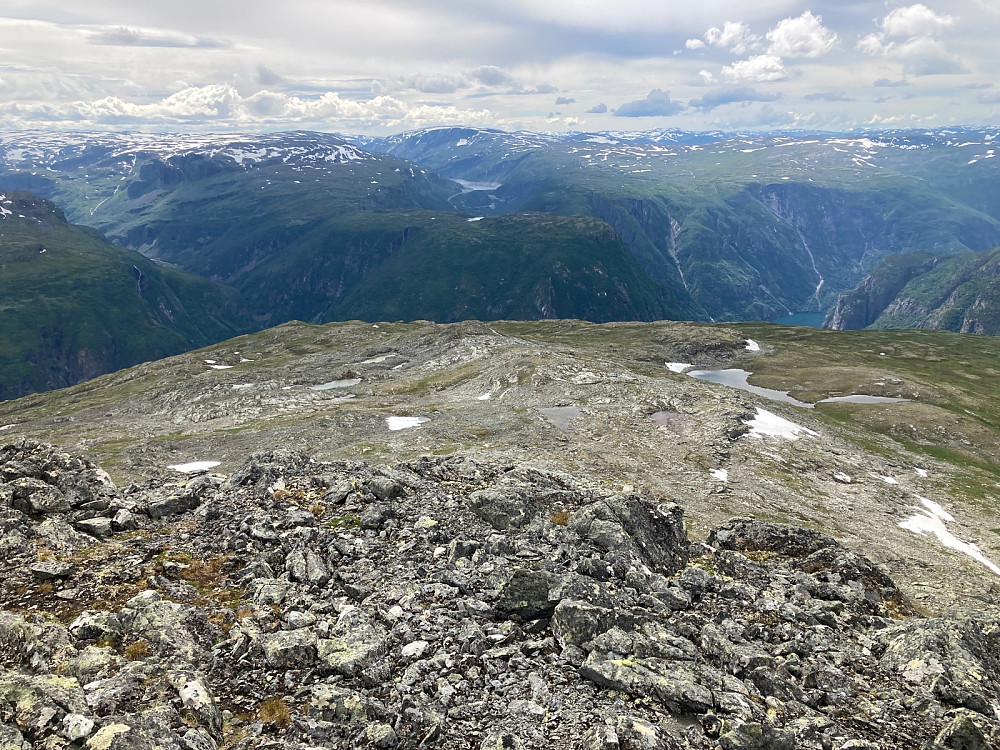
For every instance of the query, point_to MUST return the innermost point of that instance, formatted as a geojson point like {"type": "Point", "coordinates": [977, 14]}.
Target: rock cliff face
{"type": "Point", "coordinates": [75, 306]}
{"type": "Point", "coordinates": [453, 603]}
{"type": "Point", "coordinates": [959, 293]}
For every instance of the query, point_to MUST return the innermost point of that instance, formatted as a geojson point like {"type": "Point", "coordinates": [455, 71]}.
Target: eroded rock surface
{"type": "Point", "coordinates": [453, 603]}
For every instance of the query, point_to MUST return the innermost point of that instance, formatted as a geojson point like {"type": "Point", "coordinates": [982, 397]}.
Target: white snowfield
{"type": "Point", "coordinates": [678, 366]}
{"type": "Point", "coordinates": [45, 149]}
{"type": "Point", "coordinates": [635, 151]}
{"type": "Point", "coordinates": [752, 346]}
{"type": "Point", "coordinates": [766, 424]}
{"type": "Point", "coordinates": [403, 423]}
{"type": "Point", "coordinates": [193, 466]}
{"type": "Point", "coordinates": [721, 474]}
{"type": "Point", "coordinates": [931, 519]}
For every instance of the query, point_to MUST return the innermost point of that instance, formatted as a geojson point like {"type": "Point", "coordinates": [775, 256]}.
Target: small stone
{"type": "Point", "coordinates": [48, 570]}
{"type": "Point", "coordinates": [98, 527]}
{"type": "Point", "coordinates": [395, 612]}
{"type": "Point", "coordinates": [76, 727]}
{"type": "Point", "coordinates": [380, 735]}
{"type": "Point", "coordinates": [414, 650]}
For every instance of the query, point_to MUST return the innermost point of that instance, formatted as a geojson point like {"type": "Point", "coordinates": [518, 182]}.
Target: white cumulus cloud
{"type": "Point", "coordinates": [915, 20]}
{"type": "Point", "coordinates": [805, 36]}
{"type": "Point", "coordinates": [733, 36]}
{"type": "Point", "coordinates": [759, 69]}
{"type": "Point", "coordinates": [910, 36]}
{"type": "Point", "coordinates": [221, 104]}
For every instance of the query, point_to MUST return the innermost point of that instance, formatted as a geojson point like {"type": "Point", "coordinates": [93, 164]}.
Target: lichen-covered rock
{"type": "Point", "coordinates": [354, 644]}
{"type": "Point", "coordinates": [305, 604]}
{"type": "Point", "coordinates": [749, 534]}
{"type": "Point", "coordinates": [526, 595]}
{"type": "Point", "coordinates": [306, 566]}
{"type": "Point", "coordinates": [96, 626]}
{"type": "Point", "coordinates": [170, 628]}
{"type": "Point", "coordinates": [653, 536]}
{"type": "Point", "coordinates": [962, 733]}
{"type": "Point", "coordinates": [292, 649]}
{"type": "Point", "coordinates": [958, 662]}
{"type": "Point", "coordinates": [36, 704]}
{"type": "Point", "coordinates": [42, 480]}
{"type": "Point", "coordinates": [504, 507]}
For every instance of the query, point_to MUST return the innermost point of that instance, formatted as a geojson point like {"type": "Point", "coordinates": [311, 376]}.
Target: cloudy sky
{"type": "Point", "coordinates": [380, 66]}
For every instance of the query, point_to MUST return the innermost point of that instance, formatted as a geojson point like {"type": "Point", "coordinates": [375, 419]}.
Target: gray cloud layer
{"type": "Point", "coordinates": [379, 65]}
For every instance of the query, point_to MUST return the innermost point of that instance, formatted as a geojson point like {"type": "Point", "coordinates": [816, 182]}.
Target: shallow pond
{"type": "Point", "coordinates": [736, 378]}
{"type": "Point", "coordinates": [560, 416]}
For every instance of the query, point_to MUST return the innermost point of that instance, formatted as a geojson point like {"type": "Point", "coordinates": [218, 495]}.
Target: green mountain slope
{"type": "Point", "coordinates": [308, 227]}
{"type": "Point", "coordinates": [739, 226]}
{"type": "Point", "coordinates": [736, 226]}
{"type": "Point", "coordinates": [73, 306]}
{"type": "Point", "coordinates": [956, 293]}
{"type": "Point", "coordinates": [523, 266]}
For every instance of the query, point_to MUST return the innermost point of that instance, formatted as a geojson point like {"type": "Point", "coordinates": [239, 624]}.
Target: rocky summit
{"type": "Point", "coordinates": [451, 602]}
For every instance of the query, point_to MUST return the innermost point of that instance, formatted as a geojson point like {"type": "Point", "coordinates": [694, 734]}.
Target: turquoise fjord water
{"type": "Point", "coordinates": [810, 319]}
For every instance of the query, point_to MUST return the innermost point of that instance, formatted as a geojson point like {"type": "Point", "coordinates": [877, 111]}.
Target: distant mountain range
{"type": "Point", "coordinates": [309, 227]}
{"type": "Point", "coordinates": [455, 223]}
{"type": "Point", "coordinates": [732, 226]}
{"type": "Point", "coordinates": [740, 226]}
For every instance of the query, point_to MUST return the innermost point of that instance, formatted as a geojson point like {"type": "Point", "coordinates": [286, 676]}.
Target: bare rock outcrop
{"type": "Point", "coordinates": [452, 603]}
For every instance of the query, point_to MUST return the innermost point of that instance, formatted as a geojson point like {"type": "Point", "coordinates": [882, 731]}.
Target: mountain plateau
{"type": "Point", "coordinates": [509, 535]}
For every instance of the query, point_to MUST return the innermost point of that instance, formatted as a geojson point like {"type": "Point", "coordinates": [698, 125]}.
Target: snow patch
{"type": "Point", "coordinates": [193, 466]}
{"type": "Point", "coordinates": [484, 397]}
{"type": "Point", "coordinates": [920, 472]}
{"type": "Point", "coordinates": [344, 383]}
{"type": "Point", "coordinates": [752, 346]}
{"type": "Point", "coordinates": [403, 423]}
{"type": "Point", "coordinates": [7, 427]}
{"type": "Point", "coordinates": [766, 424]}
{"type": "Point", "coordinates": [843, 478]}
{"type": "Point", "coordinates": [887, 480]}
{"type": "Point", "coordinates": [931, 519]}
{"type": "Point", "coordinates": [721, 474]}
{"type": "Point", "coordinates": [475, 218]}
{"type": "Point", "coordinates": [677, 366]}
{"type": "Point", "coordinates": [380, 359]}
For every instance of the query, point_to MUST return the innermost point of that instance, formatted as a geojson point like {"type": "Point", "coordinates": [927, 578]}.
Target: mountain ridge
{"type": "Point", "coordinates": [958, 293]}
{"type": "Point", "coordinates": [74, 306]}
{"type": "Point", "coordinates": [730, 215]}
